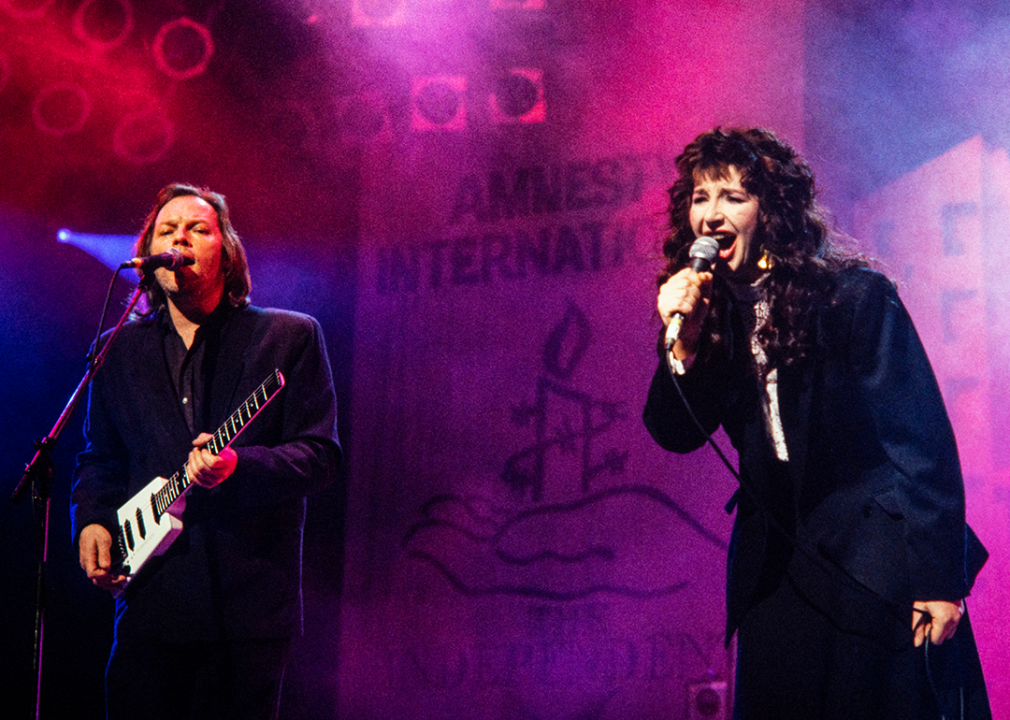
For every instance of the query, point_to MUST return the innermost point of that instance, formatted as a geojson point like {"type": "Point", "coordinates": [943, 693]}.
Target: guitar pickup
{"type": "Point", "coordinates": [140, 524]}
{"type": "Point", "coordinates": [128, 532]}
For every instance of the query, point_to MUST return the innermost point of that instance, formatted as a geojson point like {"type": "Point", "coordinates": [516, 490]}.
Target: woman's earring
{"type": "Point", "coordinates": [766, 261]}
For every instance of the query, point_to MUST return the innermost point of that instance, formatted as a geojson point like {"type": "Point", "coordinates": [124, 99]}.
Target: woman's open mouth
{"type": "Point", "coordinates": [727, 243]}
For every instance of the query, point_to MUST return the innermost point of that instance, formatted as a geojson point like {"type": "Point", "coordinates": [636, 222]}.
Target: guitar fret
{"type": "Point", "coordinates": [160, 501]}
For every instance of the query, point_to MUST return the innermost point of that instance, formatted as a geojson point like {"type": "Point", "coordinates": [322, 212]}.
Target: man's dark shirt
{"type": "Point", "coordinates": [235, 571]}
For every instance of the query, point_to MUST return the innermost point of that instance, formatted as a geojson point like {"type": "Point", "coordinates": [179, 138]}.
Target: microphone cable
{"type": "Point", "coordinates": [932, 683]}
{"type": "Point", "coordinates": [143, 285]}
{"type": "Point", "coordinates": [94, 349]}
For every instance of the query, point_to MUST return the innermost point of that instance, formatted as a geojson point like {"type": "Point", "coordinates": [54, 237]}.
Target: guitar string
{"type": "Point", "coordinates": [160, 496]}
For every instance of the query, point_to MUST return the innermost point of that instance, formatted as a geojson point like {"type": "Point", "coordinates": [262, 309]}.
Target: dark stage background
{"type": "Point", "coordinates": [468, 195]}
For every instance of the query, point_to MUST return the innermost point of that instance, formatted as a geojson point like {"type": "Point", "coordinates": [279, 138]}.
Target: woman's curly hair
{"type": "Point", "coordinates": [791, 229]}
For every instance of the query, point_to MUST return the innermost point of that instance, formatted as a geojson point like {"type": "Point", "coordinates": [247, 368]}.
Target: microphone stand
{"type": "Point", "coordinates": [39, 474]}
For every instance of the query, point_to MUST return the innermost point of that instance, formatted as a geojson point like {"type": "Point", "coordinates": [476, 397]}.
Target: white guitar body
{"type": "Point", "coordinates": [151, 520]}
{"type": "Point", "coordinates": [146, 532]}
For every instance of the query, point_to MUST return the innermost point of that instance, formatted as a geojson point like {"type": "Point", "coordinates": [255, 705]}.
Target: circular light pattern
{"type": "Point", "coordinates": [438, 103]}
{"type": "Point", "coordinates": [183, 48]}
{"type": "Point", "coordinates": [61, 108]}
{"type": "Point", "coordinates": [18, 10]}
{"type": "Point", "coordinates": [93, 18]}
{"type": "Point", "coordinates": [516, 94]}
{"type": "Point", "coordinates": [143, 137]}
{"type": "Point", "coordinates": [708, 702]}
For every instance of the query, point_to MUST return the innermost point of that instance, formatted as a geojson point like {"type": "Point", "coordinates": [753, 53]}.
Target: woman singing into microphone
{"type": "Point", "coordinates": [850, 557]}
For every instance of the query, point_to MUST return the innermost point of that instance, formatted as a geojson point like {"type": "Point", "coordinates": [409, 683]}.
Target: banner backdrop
{"type": "Point", "coordinates": [953, 280]}
{"type": "Point", "coordinates": [522, 544]}
{"type": "Point", "coordinates": [517, 545]}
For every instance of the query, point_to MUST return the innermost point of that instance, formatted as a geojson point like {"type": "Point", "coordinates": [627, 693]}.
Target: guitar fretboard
{"type": "Point", "coordinates": [221, 439]}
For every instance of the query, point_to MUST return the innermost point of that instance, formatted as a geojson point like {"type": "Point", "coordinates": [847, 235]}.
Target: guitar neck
{"type": "Point", "coordinates": [223, 436]}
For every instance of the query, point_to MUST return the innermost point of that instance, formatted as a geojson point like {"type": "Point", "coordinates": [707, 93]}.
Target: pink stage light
{"type": "Point", "coordinates": [61, 108]}
{"type": "Point", "coordinates": [143, 137]}
{"type": "Point", "coordinates": [438, 103]}
{"type": "Point", "coordinates": [518, 97]}
{"type": "Point", "coordinates": [97, 26]}
{"type": "Point", "coordinates": [183, 48]}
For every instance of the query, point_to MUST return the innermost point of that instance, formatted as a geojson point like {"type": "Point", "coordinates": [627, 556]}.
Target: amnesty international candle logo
{"type": "Point", "coordinates": [570, 434]}
{"type": "Point", "coordinates": [571, 550]}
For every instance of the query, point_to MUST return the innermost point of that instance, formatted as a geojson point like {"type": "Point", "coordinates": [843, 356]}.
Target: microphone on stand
{"type": "Point", "coordinates": [171, 259]}
{"type": "Point", "coordinates": [703, 252]}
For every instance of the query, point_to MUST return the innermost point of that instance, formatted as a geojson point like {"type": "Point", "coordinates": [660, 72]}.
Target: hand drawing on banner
{"type": "Point", "coordinates": [561, 550]}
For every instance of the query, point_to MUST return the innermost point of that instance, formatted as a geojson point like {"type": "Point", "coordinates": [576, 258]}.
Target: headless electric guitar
{"type": "Point", "coordinates": [152, 519]}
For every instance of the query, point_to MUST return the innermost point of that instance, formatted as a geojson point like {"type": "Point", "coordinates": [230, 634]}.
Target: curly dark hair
{"type": "Point", "coordinates": [237, 282]}
{"type": "Point", "coordinates": [804, 253]}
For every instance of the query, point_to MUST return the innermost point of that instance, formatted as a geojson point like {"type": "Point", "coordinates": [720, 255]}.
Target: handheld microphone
{"type": "Point", "coordinates": [171, 259]}
{"type": "Point", "coordinates": [703, 252]}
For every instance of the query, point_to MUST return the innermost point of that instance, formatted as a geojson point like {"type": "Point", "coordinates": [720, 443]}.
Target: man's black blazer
{"type": "Point", "coordinates": [235, 572]}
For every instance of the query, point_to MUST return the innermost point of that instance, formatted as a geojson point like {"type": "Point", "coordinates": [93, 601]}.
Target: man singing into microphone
{"type": "Point", "coordinates": [850, 557]}
{"type": "Point", "coordinates": [203, 630]}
